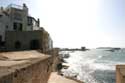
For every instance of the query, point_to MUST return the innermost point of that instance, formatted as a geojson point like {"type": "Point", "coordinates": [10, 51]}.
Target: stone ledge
{"type": "Point", "coordinates": [24, 67]}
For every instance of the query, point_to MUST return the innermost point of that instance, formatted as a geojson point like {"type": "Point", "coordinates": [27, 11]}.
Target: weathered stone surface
{"type": "Point", "coordinates": [25, 67]}
{"type": "Point", "coordinates": [55, 78]}
{"type": "Point", "coordinates": [120, 73]}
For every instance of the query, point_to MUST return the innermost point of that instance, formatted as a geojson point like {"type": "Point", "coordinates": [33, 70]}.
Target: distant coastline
{"type": "Point", "coordinates": [74, 49]}
{"type": "Point", "coordinates": [108, 48]}
{"type": "Point", "coordinates": [111, 49]}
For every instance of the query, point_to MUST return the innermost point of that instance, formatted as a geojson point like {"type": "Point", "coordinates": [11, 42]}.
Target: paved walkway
{"type": "Point", "coordinates": [55, 78]}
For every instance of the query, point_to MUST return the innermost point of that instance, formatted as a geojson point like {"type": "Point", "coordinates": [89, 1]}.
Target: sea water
{"type": "Point", "coordinates": [93, 66]}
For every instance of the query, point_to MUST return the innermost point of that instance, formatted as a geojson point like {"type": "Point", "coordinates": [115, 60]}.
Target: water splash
{"type": "Point", "coordinates": [95, 66]}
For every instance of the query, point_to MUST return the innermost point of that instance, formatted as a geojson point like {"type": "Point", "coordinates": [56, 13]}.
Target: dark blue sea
{"type": "Point", "coordinates": [93, 66]}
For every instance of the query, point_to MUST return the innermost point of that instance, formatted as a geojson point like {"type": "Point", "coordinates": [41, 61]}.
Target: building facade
{"type": "Point", "coordinates": [19, 30]}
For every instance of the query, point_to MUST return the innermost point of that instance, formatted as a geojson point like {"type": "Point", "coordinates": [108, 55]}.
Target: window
{"type": "Point", "coordinates": [20, 27]}
{"type": "Point", "coordinates": [0, 38]}
{"type": "Point", "coordinates": [14, 26]}
{"type": "Point", "coordinates": [1, 42]}
{"type": "Point", "coordinates": [30, 22]}
{"type": "Point", "coordinates": [17, 26]}
{"type": "Point", "coordinates": [6, 26]}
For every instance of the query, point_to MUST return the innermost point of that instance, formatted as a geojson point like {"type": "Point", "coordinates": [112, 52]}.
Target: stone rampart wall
{"type": "Point", "coordinates": [37, 72]}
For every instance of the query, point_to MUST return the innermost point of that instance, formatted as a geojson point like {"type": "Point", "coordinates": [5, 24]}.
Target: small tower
{"type": "Point", "coordinates": [25, 8]}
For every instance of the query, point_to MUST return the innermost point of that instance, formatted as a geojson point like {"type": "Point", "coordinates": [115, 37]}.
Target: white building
{"type": "Point", "coordinates": [16, 18]}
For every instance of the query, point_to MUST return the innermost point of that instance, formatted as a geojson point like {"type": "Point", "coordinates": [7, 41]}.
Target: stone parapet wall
{"type": "Point", "coordinates": [120, 73]}
{"type": "Point", "coordinates": [56, 60]}
{"type": "Point", "coordinates": [37, 71]}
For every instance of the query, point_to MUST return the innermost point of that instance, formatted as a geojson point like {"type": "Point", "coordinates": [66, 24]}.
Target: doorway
{"type": "Point", "coordinates": [34, 44]}
{"type": "Point", "coordinates": [0, 40]}
{"type": "Point", "coordinates": [17, 45]}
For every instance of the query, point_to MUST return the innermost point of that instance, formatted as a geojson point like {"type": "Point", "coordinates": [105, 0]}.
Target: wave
{"type": "Point", "coordinates": [95, 66]}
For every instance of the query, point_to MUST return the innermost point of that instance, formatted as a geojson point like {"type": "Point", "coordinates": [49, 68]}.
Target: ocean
{"type": "Point", "coordinates": [93, 66]}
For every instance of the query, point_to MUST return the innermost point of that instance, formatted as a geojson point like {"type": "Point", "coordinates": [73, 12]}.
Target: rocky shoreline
{"type": "Point", "coordinates": [62, 65]}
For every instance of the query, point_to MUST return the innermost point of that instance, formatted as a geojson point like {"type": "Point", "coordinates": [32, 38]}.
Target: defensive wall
{"type": "Point", "coordinates": [120, 73]}
{"type": "Point", "coordinates": [18, 40]}
{"type": "Point", "coordinates": [25, 67]}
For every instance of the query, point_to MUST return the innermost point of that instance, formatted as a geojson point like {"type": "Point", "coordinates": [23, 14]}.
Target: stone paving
{"type": "Point", "coordinates": [55, 78]}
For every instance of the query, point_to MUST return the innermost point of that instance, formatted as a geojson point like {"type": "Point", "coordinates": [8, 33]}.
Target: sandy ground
{"type": "Point", "coordinates": [55, 78]}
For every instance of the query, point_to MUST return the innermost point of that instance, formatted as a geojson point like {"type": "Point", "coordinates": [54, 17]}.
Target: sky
{"type": "Point", "coordinates": [76, 23]}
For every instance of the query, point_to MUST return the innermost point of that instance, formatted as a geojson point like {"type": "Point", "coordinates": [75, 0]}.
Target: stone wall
{"type": "Point", "coordinates": [28, 40]}
{"type": "Point", "coordinates": [56, 60]}
{"type": "Point", "coordinates": [38, 72]}
{"type": "Point", "coordinates": [120, 73]}
{"type": "Point", "coordinates": [25, 38]}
